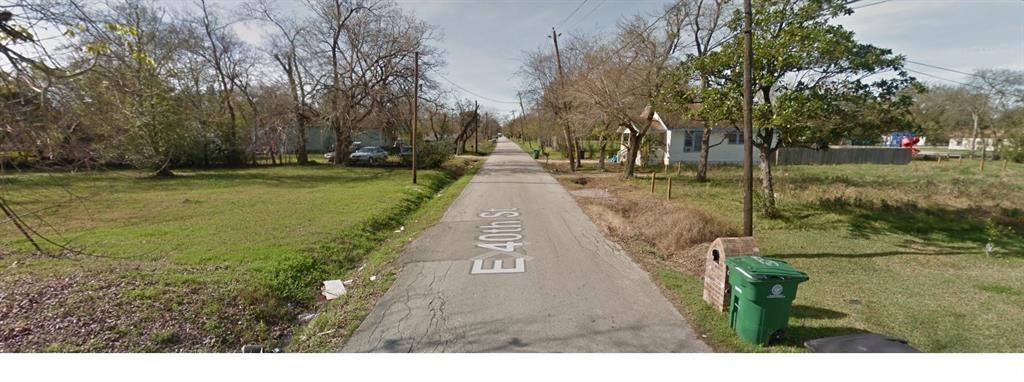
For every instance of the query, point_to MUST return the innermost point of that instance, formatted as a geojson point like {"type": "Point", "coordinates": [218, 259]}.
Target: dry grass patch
{"type": "Point", "coordinates": [674, 233]}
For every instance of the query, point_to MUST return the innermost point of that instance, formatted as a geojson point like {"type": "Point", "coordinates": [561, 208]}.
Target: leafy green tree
{"type": "Point", "coordinates": [128, 93]}
{"type": "Point", "coordinates": [813, 82]}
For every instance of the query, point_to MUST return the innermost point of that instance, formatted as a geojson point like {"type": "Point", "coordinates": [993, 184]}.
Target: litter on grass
{"type": "Point", "coordinates": [333, 289]}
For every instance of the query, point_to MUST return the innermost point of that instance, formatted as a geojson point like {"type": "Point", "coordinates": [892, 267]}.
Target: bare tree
{"type": "Point", "coordinates": [705, 22]}
{"type": "Point", "coordinates": [370, 47]}
{"type": "Point", "coordinates": [223, 52]}
{"type": "Point", "coordinates": [287, 50]}
{"type": "Point", "coordinates": [468, 122]}
{"type": "Point", "coordinates": [648, 52]}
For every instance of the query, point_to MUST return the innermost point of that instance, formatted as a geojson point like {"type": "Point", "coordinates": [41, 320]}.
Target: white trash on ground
{"type": "Point", "coordinates": [333, 289]}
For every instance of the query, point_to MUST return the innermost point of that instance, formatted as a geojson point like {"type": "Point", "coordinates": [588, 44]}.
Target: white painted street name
{"type": "Point", "coordinates": [501, 236]}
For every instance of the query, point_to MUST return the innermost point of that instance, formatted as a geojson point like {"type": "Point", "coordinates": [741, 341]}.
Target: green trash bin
{"type": "Point", "coordinates": [763, 289]}
{"type": "Point", "coordinates": [536, 153]}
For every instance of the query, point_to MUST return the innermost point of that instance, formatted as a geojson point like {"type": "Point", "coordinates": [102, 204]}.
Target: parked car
{"type": "Point", "coordinates": [405, 154]}
{"type": "Point", "coordinates": [329, 155]}
{"type": "Point", "coordinates": [370, 155]}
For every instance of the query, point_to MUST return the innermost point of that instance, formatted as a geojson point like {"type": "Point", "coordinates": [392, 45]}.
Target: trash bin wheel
{"type": "Point", "coordinates": [777, 337]}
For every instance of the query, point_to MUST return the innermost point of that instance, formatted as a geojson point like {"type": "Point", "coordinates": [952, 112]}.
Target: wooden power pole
{"type": "Point", "coordinates": [415, 109]}
{"type": "Point", "coordinates": [748, 122]}
{"type": "Point", "coordinates": [522, 128]}
{"type": "Point", "coordinates": [570, 148]}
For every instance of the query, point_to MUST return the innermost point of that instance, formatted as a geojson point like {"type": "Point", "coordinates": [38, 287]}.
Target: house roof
{"type": "Point", "coordinates": [676, 120]}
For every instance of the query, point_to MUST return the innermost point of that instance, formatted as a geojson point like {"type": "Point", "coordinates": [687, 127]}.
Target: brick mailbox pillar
{"type": "Point", "coordinates": [716, 284]}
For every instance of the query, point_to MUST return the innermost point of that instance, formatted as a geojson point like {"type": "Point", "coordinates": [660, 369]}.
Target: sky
{"type": "Point", "coordinates": [484, 41]}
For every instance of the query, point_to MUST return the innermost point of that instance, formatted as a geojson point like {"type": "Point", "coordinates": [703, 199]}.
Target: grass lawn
{"type": "Point", "coordinates": [897, 250]}
{"type": "Point", "coordinates": [205, 261]}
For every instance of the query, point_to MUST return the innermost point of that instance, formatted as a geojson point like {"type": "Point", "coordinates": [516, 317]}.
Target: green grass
{"type": "Point", "coordinates": [896, 250]}
{"type": "Point", "coordinates": [232, 254]}
{"type": "Point", "coordinates": [328, 331]}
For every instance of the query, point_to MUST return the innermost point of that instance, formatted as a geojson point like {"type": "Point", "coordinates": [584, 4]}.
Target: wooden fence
{"type": "Point", "coordinates": [842, 155]}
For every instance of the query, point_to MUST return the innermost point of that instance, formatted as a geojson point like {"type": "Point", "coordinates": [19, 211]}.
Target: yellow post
{"type": "Point", "coordinates": [960, 159]}
{"type": "Point", "coordinates": [982, 164]}
{"type": "Point", "coordinates": [653, 177]}
{"type": "Point", "coordinates": [940, 159]}
{"type": "Point", "coordinates": [1005, 161]}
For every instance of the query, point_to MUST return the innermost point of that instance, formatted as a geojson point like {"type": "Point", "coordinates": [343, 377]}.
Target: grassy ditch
{"type": "Point", "coordinates": [335, 321]}
{"type": "Point", "coordinates": [897, 250]}
{"type": "Point", "coordinates": [206, 261]}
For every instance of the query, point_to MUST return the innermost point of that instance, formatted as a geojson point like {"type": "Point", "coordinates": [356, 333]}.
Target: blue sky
{"type": "Point", "coordinates": [485, 40]}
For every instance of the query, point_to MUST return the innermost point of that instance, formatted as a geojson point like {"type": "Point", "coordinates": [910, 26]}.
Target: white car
{"type": "Point", "coordinates": [370, 155]}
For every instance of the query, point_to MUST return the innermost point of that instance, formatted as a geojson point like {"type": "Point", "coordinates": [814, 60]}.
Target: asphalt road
{"type": "Point", "coordinates": [515, 266]}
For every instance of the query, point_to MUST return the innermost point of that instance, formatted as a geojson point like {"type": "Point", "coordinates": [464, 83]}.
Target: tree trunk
{"type": "Point", "coordinates": [767, 183]}
{"type": "Point", "coordinates": [603, 144]}
{"type": "Point", "coordinates": [302, 154]}
{"type": "Point", "coordinates": [974, 134]}
{"type": "Point", "coordinates": [341, 143]}
{"type": "Point", "coordinates": [631, 153]}
{"type": "Point", "coordinates": [705, 149]}
{"type": "Point", "coordinates": [569, 149]}
{"type": "Point", "coordinates": [705, 142]}
{"type": "Point", "coordinates": [580, 151]}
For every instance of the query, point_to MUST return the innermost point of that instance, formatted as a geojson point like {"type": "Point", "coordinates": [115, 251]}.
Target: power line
{"type": "Point", "coordinates": [587, 15]}
{"type": "Point", "coordinates": [942, 78]}
{"type": "Point", "coordinates": [582, 3]}
{"type": "Point", "coordinates": [475, 94]}
{"type": "Point", "coordinates": [870, 4]}
{"type": "Point", "coordinates": [946, 69]}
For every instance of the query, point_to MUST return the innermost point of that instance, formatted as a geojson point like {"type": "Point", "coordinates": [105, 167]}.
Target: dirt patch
{"type": "Point", "coordinates": [581, 180]}
{"type": "Point", "coordinates": [125, 308]}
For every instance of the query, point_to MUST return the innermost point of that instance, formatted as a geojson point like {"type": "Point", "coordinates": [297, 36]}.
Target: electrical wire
{"type": "Point", "coordinates": [587, 15]}
{"type": "Point", "coordinates": [870, 4]}
{"type": "Point", "coordinates": [942, 78]}
{"type": "Point", "coordinates": [582, 3]}
{"type": "Point", "coordinates": [941, 68]}
{"type": "Point", "coordinates": [470, 92]}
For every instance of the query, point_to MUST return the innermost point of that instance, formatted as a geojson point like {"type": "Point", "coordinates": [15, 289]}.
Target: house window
{"type": "Point", "coordinates": [733, 137]}
{"type": "Point", "coordinates": [691, 141]}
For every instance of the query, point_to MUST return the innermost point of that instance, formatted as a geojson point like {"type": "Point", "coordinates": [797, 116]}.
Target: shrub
{"type": "Point", "coordinates": [294, 278]}
{"type": "Point", "coordinates": [433, 154]}
{"type": "Point", "coordinates": [1013, 149]}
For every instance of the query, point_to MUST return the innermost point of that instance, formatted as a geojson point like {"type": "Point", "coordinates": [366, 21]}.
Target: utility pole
{"type": "Point", "coordinates": [570, 147]}
{"type": "Point", "coordinates": [748, 121]}
{"type": "Point", "coordinates": [415, 109]}
{"type": "Point", "coordinates": [476, 129]}
{"type": "Point", "coordinates": [522, 129]}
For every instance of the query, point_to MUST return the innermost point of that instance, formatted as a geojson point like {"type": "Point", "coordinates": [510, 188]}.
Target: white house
{"type": "Point", "coordinates": [965, 143]}
{"type": "Point", "coordinates": [677, 139]}
{"type": "Point", "coordinates": [683, 138]}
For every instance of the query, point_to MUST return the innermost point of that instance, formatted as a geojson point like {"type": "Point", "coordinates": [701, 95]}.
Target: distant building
{"type": "Point", "coordinates": [965, 143]}
{"type": "Point", "coordinates": [677, 139]}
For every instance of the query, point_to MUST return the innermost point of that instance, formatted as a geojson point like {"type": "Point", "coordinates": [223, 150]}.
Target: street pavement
{"type": "Point", "coordinates": [516, 266]}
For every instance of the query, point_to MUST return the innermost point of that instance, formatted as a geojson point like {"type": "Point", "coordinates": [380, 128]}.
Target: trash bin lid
{"type": "Point", "coordinates": [757, 268]}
